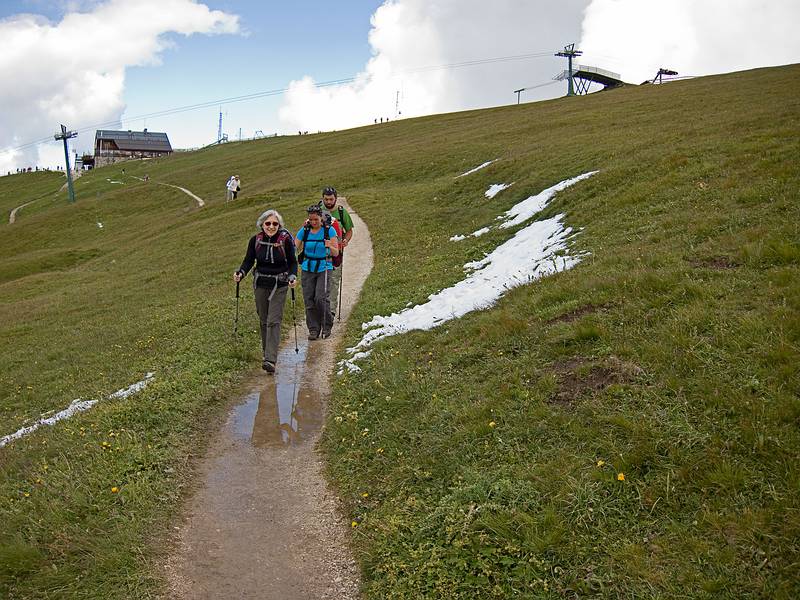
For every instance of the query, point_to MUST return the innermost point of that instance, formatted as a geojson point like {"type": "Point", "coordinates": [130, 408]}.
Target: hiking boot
{"type": "Point", "coordinates": [268, 366]}
{"type": "Point", "coordinates": [326, 334]}
{"type": "Point", "coordinates": [313, 335]}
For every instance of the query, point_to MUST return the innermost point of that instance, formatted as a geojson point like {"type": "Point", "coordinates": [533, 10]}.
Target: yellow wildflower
{"type": "Point", "coordinates": [620, 476]}
{"type": "Point", "coordinates": [114, 490]}
{"type": "Point", "coordinates": [600, 463]}
{"type": "Point", "coordinates": [354, 524]}
{"type": "Point", "coordinates": [492, 424]}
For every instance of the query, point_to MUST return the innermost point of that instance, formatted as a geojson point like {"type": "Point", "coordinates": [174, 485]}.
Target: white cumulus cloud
{"type": "Point", "coordinates": [73, 71]}
{"type": "Point", "coordinates": [407, 36]}
{"type": "Point", "coordinates": [694, 37]}
{"type": "Point", "coordinates": [631, 37]}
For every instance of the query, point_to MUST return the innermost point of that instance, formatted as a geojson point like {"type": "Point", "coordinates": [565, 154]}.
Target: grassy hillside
{"type": "Point", "coordinates": [668, 355]}
{"type": "Point", "coordinates": [19, 188]}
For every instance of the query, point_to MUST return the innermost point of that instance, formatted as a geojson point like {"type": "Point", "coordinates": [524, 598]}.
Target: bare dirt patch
{"type": "Point", "coordinates": [576, 314]}
{"type": "Point", "coordinates": [718, 263]}
{"type": "Point", "coordinates": [579, 376]}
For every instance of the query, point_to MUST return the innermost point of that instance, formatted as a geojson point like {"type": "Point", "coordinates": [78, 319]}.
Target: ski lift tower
{"type": "Point", "coordinates": [661, 73]}
{"type": "Point", "coordinates": [569, 52]}
{"type": "Point", "coordinates": [65, 135]}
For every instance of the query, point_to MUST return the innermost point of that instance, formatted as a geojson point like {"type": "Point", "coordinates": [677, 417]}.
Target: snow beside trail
{"type": "Point", "coordinates": [349, 363]}
{"type": "Point", "coordinates": [478, 168]}
{"type": "Point", "coordinates": [522, 211]}
{"type": "Point", "coordinates": [75, 407]}
{"type": "Point", "coordinates": [479, 233]}
{"type": "Point", "coordinates": [535, 251]}
{"type": "Point", "coordinates": [496, 188]}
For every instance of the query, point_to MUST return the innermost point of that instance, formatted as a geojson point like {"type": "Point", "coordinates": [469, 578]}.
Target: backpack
{"type": "Point", "coordinates": [283, 235]}
{"type": "Point", "coordinates": [325, 236]}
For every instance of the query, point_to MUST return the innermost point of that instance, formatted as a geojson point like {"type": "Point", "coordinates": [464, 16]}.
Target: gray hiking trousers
{"type": "Point", "coordinates": [316, 296]}
{"type": "Point", "coordinates": [270, 314]}
{"type": "Point", "coordinates": [335, 280]}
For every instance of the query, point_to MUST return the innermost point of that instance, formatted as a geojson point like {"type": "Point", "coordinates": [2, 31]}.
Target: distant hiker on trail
{"type": "Point", "coordinates": [317, 244]}
{"type": "Point", "coordinates": [329, 202]}
{"type": "Point", "coordinates": [230, 189]}
{"type": "Point", "coordinates": [272, 251]}
{"type": "Point", "coordinates": [238, 187]}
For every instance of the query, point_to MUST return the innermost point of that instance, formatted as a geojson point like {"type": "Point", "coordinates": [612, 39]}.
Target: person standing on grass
{"type": "Point", "coordinates": [272, 250]}
{"type": "Point", "coordinates": [330, 203]}
{"type": "Point", "coordinates": [318, 245]}
{"type": "Point", "coordinates": [230, 189]}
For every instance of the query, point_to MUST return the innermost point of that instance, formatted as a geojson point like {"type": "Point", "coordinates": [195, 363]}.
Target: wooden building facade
{"type": "Point", "coordinates": [114, 146]}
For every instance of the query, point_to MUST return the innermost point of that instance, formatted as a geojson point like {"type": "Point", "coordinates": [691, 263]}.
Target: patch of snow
{"type": "Point", "coordinates": [478, 168]}
{"type": "Point", "coordinates": [479, 233]}
{"type": "Point", "coordinates": [349, 363]}
{"type": "Point", "coordinates": [496, 188]}
{"type": "Point", "coordinates": [522, 211]}
{"type": "Point", "coordinates": [75, 407]}
{"type": "Point", "coordinates": [533, 252]}
{"type": "Point", "coordinates": [112, 181]}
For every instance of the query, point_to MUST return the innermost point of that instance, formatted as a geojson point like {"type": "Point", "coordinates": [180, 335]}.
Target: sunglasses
{"type": "Point", "coordinates": [271, 223]}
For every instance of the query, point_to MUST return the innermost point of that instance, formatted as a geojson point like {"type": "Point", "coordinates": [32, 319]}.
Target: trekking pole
{"type": "Point", "coordinates": [294, 322]}
{"type": "Point", "coordinates": [236, 318]}
{"type": "Point", "coordinates": [341, 265]}
{"type": "Point", "coordinates": [325, 310]}
{"type": "Point", "coordinates": [341, 284]}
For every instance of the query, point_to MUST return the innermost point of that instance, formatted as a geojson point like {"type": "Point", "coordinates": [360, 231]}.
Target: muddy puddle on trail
{"type": "Point", "coordinates": [283, 410]}
{"type": "Point", "coordinates": [262, 525]}
{"type": "Point", "coordinates": [262, 522]}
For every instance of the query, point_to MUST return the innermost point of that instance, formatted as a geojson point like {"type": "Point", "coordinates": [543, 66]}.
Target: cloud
{"type": "Point", "coordinates": [636, 38]}
{"type": "Point", "coordinates": [409, 35]}
{"type": "Point", "coordinates": [73, 71]}
{"type": "Point", "coordinates": [630, 37]}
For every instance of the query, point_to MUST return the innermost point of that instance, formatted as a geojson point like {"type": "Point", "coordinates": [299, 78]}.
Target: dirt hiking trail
{"type": "Point", "coordinates": [263, 522]}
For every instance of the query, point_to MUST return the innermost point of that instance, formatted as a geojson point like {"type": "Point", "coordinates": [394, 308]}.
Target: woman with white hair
{"type": "Point", "coordinates": [272, 251]}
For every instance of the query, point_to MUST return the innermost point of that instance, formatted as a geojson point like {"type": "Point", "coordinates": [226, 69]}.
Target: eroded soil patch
{"type": "Point", "coordinates": [576, 314]}
{"type": "Point", "coordinates": [718, 263]}
{"type": "Point", "coordinates": [579, 376]}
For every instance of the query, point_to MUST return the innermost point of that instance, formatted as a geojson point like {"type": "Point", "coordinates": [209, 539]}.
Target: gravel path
{"type": "Point", "coordinates": [263, 522]}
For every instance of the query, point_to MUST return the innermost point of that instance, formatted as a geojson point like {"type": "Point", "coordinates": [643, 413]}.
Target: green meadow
{"type": "Point", "coordinates": [626, 428]}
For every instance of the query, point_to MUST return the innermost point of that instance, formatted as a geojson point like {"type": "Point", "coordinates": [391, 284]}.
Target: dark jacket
{"type": "Point", "coordinates": [273, 257]}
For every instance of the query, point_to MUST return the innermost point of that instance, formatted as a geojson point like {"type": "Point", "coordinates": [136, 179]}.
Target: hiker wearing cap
{"type": "Point", "coordinates": [272, 251]}
{"type": "Point", "coordinates": [330, 203]}
{"type": "Point", "coordinates": [317, 244]}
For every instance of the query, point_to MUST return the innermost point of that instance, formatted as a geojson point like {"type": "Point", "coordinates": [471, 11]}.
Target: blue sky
{"type": "Point", "coordinates": [85, 62]}
{"type": "Point", "coordinates": [284, 41]}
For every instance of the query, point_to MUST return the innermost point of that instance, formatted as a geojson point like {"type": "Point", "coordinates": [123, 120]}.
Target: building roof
{"type": "Point", "coordinates": [150, 141]}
